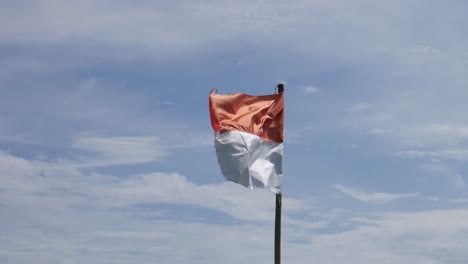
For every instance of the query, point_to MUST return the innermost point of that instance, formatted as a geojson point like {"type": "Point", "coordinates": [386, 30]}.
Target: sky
{"type": "Point", "coordinates": [107, 153]}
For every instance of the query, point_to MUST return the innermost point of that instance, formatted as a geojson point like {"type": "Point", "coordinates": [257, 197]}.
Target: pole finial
{"type": "Point", "coordinates": [280, 88]}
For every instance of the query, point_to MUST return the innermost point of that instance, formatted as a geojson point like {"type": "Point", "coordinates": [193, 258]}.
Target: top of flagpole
{"type": "Point", "coordinates": [280, 88]}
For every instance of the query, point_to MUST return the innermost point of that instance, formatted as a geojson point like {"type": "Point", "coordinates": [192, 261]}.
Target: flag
{"type": "Point", "coordinates": [249, 138]}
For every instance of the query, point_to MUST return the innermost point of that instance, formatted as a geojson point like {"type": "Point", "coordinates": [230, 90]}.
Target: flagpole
{"type": "Point", "coordinates": [278, 229]}
{"type": "Point", "coordinates": [278, 212]}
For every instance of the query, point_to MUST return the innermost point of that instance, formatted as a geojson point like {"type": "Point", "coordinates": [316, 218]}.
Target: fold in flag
{"type": "Point", "coordinates": [249, 138]}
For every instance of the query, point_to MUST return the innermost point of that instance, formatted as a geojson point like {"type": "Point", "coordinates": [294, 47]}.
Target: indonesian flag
{"type": "Point", "coordinates": [249, 138]}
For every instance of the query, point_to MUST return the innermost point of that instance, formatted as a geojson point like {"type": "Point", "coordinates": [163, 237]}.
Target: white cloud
{"type": "Point", "coordinates": [52, 115]}
{"type": "Point", "coordinates": [406, 238]}
{"type": "Point", "coordinates": [143, 28]}
{"type": "Point", "coordinates": [459, 200]}
{"type": "Point", "coordinates": [311, 90]}
{"type": "Point", "coordinates": [455, 154]}
{"type": "Point", "coordinates": [378, 198]}
{"type": "Point", "coordinates": [196, 141]}
{"type": "Point", "coordinates": [178, 28]}
{"type": "Point", "coordinates": [28, 178]}
{"type": "Point", "coordinates": [436, 135]}
{"type": "Point", "coordinates": [379, 131]}
{"type": "Point", "coordinates": [166, 103]}
{"type": "Point", "coordinates": [459, 182]}
{"type": "Point", "coordinates": [436, 168]}
{"type": "Point", "coordinates": [452, 178]}
{"type": "Point", "coordinates": [120, 150]}
{"type": "Point", "coordinates": [394, 238]}
{"type": "Point", "coordinates": [292, 137]}
{"type": "Point", "coordinates": [447, 130]}
{"type": "Point", "coordinates": [53, 214]}
{"type": "Point", "coordinates": [55, 211]}
{"type": "Point", "coordinates": [359, 107]}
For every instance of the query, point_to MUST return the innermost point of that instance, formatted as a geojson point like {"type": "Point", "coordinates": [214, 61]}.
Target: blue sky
{"type": "Point", "coordinates": [106, 150]}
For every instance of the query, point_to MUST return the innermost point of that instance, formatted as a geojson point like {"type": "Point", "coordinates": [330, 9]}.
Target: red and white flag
{"type": "Point", "coordinates": [249, 138]}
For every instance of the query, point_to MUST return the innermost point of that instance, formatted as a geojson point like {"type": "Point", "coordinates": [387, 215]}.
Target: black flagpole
{"type": "Point", "coordinates": [278, 229]}
{"type": "Point", "coordinates": [278, 212]}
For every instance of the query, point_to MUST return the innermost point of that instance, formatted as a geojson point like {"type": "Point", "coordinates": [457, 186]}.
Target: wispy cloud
{"type": "Point", "coordinates": [455, 154]}
{"type": "Point", "coordinates": [459, 182]}
{"type": "Point", "coordinates": [379, 131]}
{"type": "Point", "coordinates": [166, 103]}
{"type": "Point", "coordinates": [379, 197]}
{"type": "Point", "coordinates": [69, 212]}
{"type": "Point", "coordinates": [453, 178]}
{"type": "Point", "coordinates": [23, 178]}
{"type": "Point", "coordinates": [120, 150]}
{"type": "Point", "coordinates": [359, 107]}
{"type": "Point", "coordinates": [311, 90]}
